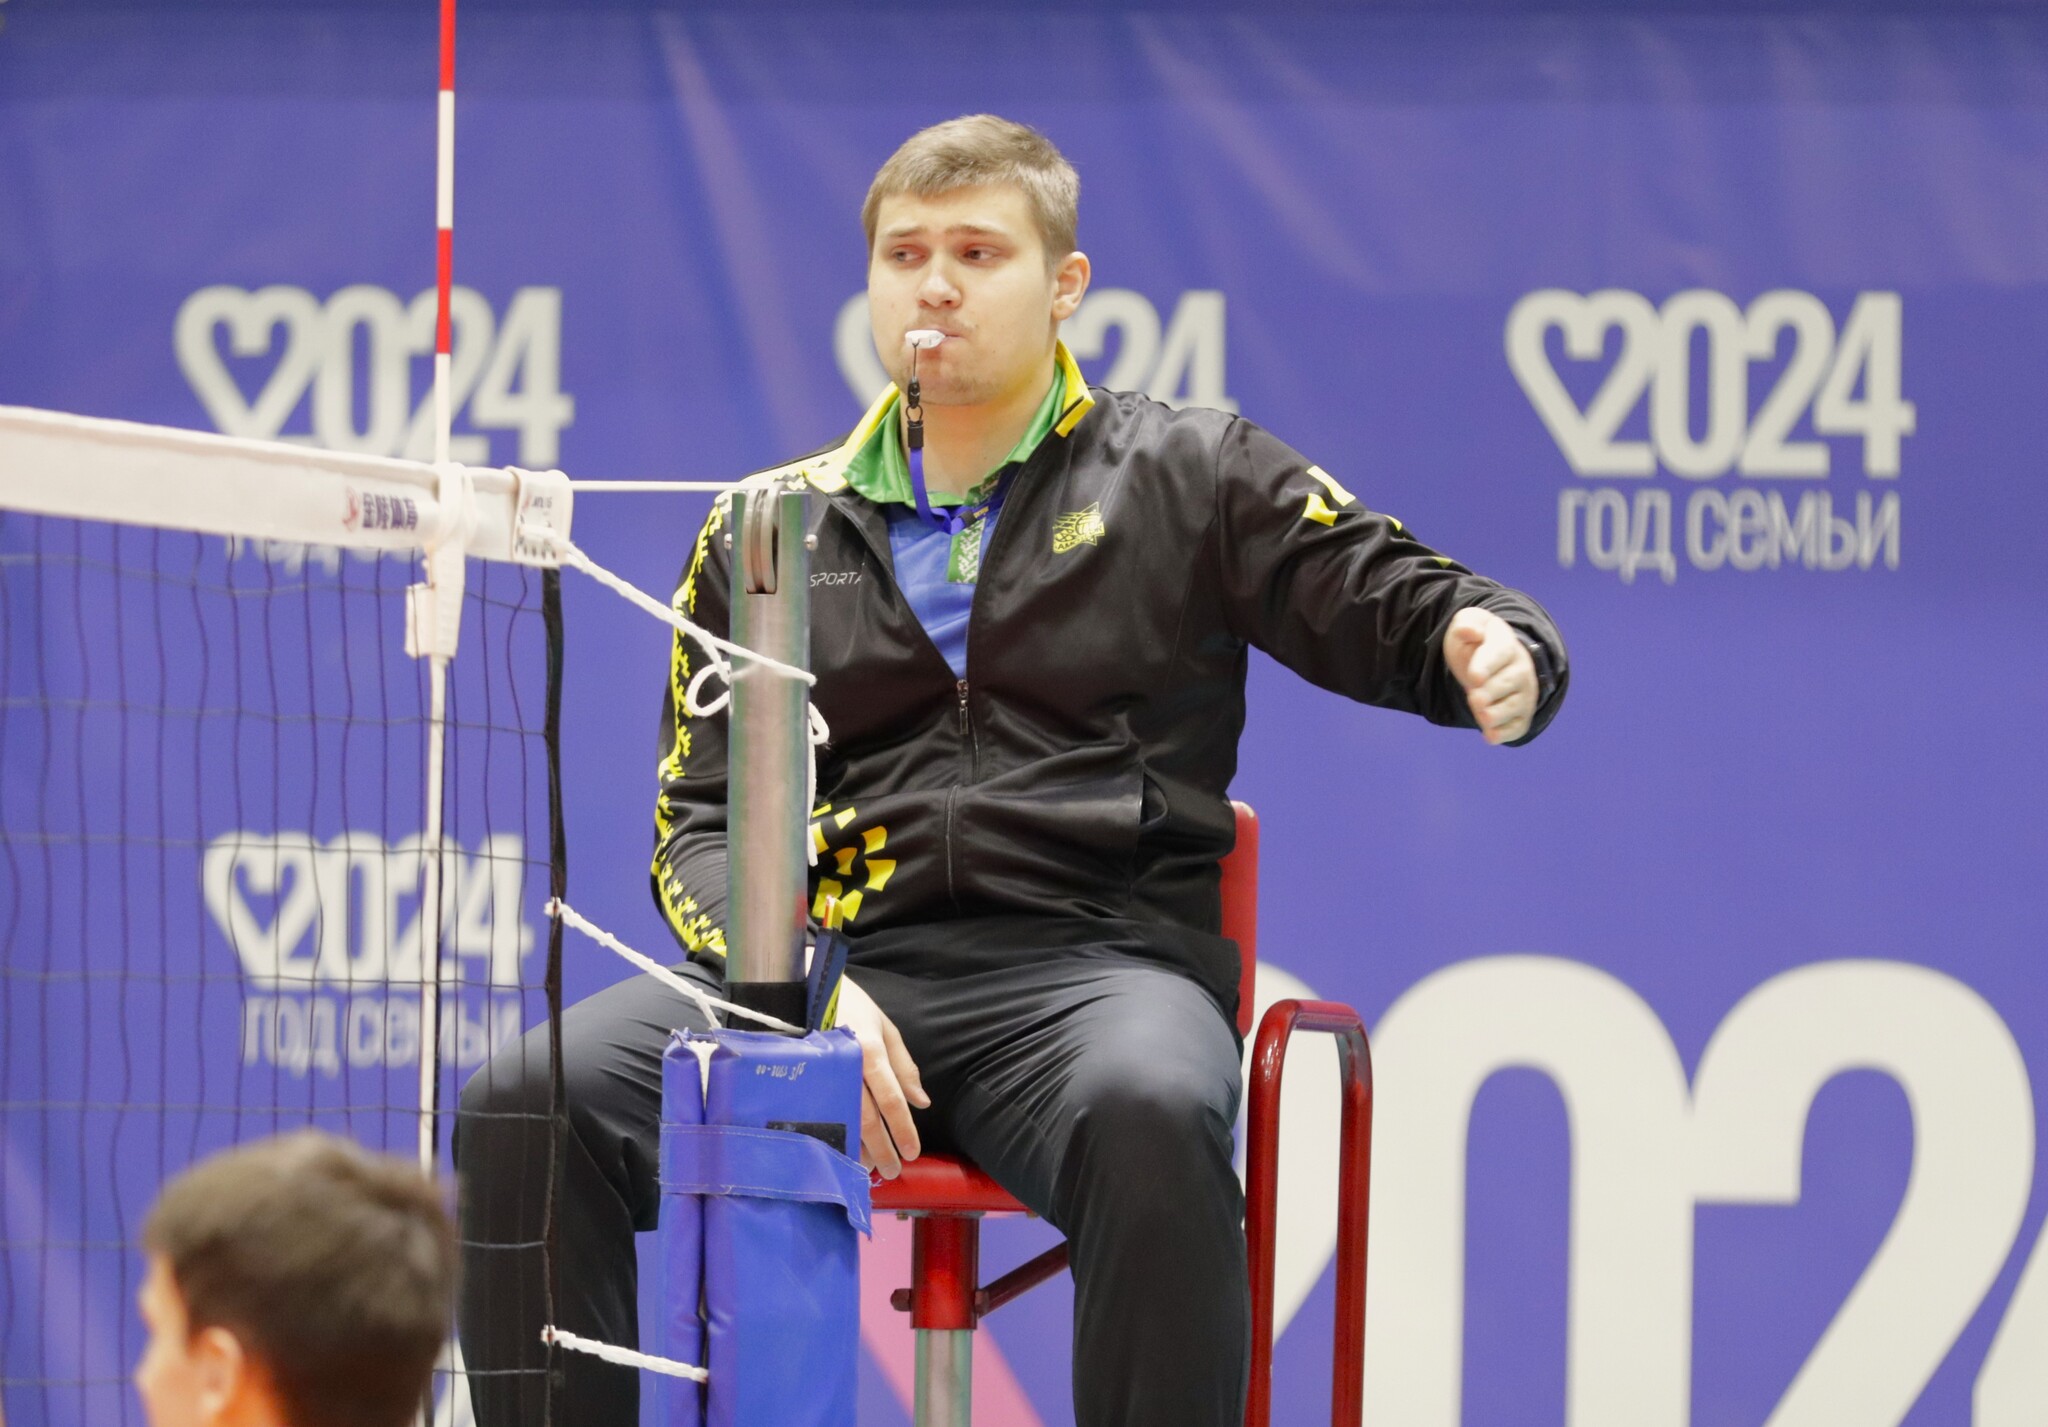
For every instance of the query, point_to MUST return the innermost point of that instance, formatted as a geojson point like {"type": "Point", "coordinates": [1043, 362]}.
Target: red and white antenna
{"type": "Point", "coordinates": [434, 607]}
{"type": "Point", "coordinates": [444, 234]}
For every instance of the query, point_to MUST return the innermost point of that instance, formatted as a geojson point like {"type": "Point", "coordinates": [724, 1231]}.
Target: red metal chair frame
{"type": "Point", "coordinates": [946, 1197]}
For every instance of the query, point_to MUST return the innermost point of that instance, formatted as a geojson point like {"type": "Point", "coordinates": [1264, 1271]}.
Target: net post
{"type": "Point", "coordinates": [433, 630]}
{"type": "Point", "coordinates": [770, 753]}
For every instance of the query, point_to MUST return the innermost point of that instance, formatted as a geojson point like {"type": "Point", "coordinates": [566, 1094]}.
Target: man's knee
{"type": "Point", "coordinates": [1157, 1102]}
{"type": "Point", "coordinates": [1148, 1164]}
{"type": "Point", "coordinates": [1148, 1124]}
{"type": "Point", "coordinates": [611, 1080]}
{"type": "Point", "coordinates": [509, 1089]}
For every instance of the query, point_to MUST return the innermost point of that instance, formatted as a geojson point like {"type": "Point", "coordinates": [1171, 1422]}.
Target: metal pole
{"type": "Point", "coordinates": [944, 1394]}
{"type": "Point", "coordinates": [769, 755]}
{"type": "Point", "coordinates": [945, 1266]}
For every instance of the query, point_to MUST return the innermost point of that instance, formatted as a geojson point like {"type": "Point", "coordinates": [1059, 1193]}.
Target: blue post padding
{"type": "Point", "coordinates": [781, 1213]}
{"type": "Point", "coordinates": [762, 1164]}
{"type": "Point", "coordinates": [679, 1327]}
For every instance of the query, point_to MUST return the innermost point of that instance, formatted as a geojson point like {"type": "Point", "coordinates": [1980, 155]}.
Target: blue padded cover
{"type": "Point", "coordinates": [781, 1212]}
{"type": "Point", "coordinates": [679, 1331]}
{"type": "Point", "coordinates": [762, 1164]}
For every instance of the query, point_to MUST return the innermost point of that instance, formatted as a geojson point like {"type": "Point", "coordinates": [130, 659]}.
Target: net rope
{"type": "Point", "coordinates": [624, 1357]}
{"type": "Point", "coordinates": [717, 649]}
{"type": "Point", "coordinates": [706, 1002]}
{"type": "Point", "coordinates": [718, 654]}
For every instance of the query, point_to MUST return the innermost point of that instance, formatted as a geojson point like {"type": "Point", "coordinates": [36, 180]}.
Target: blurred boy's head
{"type": "Point", "coordinates": [294, 1282]}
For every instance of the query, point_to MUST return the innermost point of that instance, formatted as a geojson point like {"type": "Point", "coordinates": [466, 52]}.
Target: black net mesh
{"type": "Point", "coordinates": [212, 772]}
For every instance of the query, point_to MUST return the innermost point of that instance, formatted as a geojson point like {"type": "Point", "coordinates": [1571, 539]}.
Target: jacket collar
{"type": "Point", "coordinates": [826, 471]}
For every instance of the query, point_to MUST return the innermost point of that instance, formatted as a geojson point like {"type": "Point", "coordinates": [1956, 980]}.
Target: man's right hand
{"type": "Point", "coordinates": [890, 1083]}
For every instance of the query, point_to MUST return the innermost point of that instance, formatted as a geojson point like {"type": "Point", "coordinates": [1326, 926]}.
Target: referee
{"type": "Point", "coordinates": [1030, 639]}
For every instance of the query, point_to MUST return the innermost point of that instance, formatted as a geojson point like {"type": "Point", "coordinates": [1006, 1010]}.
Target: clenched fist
{"type": "Point", "coordinates": [1499, 677]}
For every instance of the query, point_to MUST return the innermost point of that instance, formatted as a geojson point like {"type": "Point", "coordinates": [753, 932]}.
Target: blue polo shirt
{"type": "Point", "coordinates": [937, 571]}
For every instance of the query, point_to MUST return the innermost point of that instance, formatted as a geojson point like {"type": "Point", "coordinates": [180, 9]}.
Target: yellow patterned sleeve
{"type": "Point", "coordinates": [688, 871]}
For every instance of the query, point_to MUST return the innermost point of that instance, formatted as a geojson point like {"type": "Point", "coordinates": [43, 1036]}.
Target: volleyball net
{"type": "Point", "coordinates": [256, 870]}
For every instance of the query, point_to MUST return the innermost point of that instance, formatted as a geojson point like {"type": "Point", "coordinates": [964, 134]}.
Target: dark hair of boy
{"type": "Point", "coordinates": [333, 1267]}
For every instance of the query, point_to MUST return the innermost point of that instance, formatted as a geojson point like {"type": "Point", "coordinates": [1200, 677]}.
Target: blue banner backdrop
{"type": "Point", "coordinates": [1706, 1024]}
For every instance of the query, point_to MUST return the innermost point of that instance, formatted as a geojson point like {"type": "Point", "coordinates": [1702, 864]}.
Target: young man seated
{"type": "Point", "coordinates": [295, 1282]}
{"type": "Point", "coordinates": [1030, 633]}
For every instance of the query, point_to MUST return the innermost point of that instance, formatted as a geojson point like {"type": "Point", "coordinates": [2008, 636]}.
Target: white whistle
{"type": "Point", "coordinates": [923, 338]}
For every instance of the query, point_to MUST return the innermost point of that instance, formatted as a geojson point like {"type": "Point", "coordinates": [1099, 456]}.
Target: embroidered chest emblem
{"type": "Point", "coordinates": [1077, 527]}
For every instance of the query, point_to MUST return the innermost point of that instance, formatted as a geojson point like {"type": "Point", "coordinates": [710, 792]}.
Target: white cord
{"type": "Point", "coordinates": [624, 1357]}
{"type": "Point", "coordinates": [704, 999]}
{"type": "Point", "coordinates": [570, 555]}
{"type": "Point", "coordinates": [694, 707]}
{"type": "Point", "coordinates": [817, 732]}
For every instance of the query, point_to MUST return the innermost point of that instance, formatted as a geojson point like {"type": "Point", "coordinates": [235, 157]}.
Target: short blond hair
{"type": "Point", "coordinates": [979, 149]}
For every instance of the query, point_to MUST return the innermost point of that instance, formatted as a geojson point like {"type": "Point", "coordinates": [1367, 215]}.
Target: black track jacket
{"type": "Point", "coordinates": [1077, 776]}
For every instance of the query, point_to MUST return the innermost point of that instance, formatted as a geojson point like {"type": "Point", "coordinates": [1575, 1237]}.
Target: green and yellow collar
{"type": "Point", "coordinates": [829, 471]}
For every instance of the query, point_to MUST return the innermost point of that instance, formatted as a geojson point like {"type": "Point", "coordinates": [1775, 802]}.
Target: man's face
{"type": "Point", "coordinates": [969, 263]}
{"type": "Point", "coordinates": [183, 1381]}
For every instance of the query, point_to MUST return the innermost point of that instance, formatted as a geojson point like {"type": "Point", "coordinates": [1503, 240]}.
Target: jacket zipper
{"type": "Point", "coordinates": [967, 730]}
{"type": "Point", "coordinates": [961, 690]}
{"type": "Point", "coordinates": [960, 687]}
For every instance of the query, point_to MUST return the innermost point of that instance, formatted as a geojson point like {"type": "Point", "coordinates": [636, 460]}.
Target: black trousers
{"type": "Point", "coordinates": [1098, 1088]}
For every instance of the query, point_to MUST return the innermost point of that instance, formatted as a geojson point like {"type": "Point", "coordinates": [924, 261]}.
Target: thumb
{"type": "Point", "coordinates": [1461, 643]}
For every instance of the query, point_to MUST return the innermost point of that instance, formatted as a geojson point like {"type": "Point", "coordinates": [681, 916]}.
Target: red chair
{"type": "Point", "coordinates": [947, 1197]}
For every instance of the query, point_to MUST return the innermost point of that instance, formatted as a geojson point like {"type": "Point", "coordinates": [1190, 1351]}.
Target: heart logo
{"type": "Point", "coordinates": [1587, 437]}
{"type": "Point", "coordinates": [252, 320]}
{"type": "Point", "coordinates": [278, 871]}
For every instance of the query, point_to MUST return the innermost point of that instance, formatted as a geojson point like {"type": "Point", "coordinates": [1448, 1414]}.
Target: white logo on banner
{"type": "Point", "coordinates": [330, 937]}
{"type": "Point", "coordinates": [1647, 1148]}
{"type": "Point", "coordinates": [506, 374]}
{"type": "Point", "coordinates": [1692, 358]}
{"type": "Point", "coordinates": [1179, 362]}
